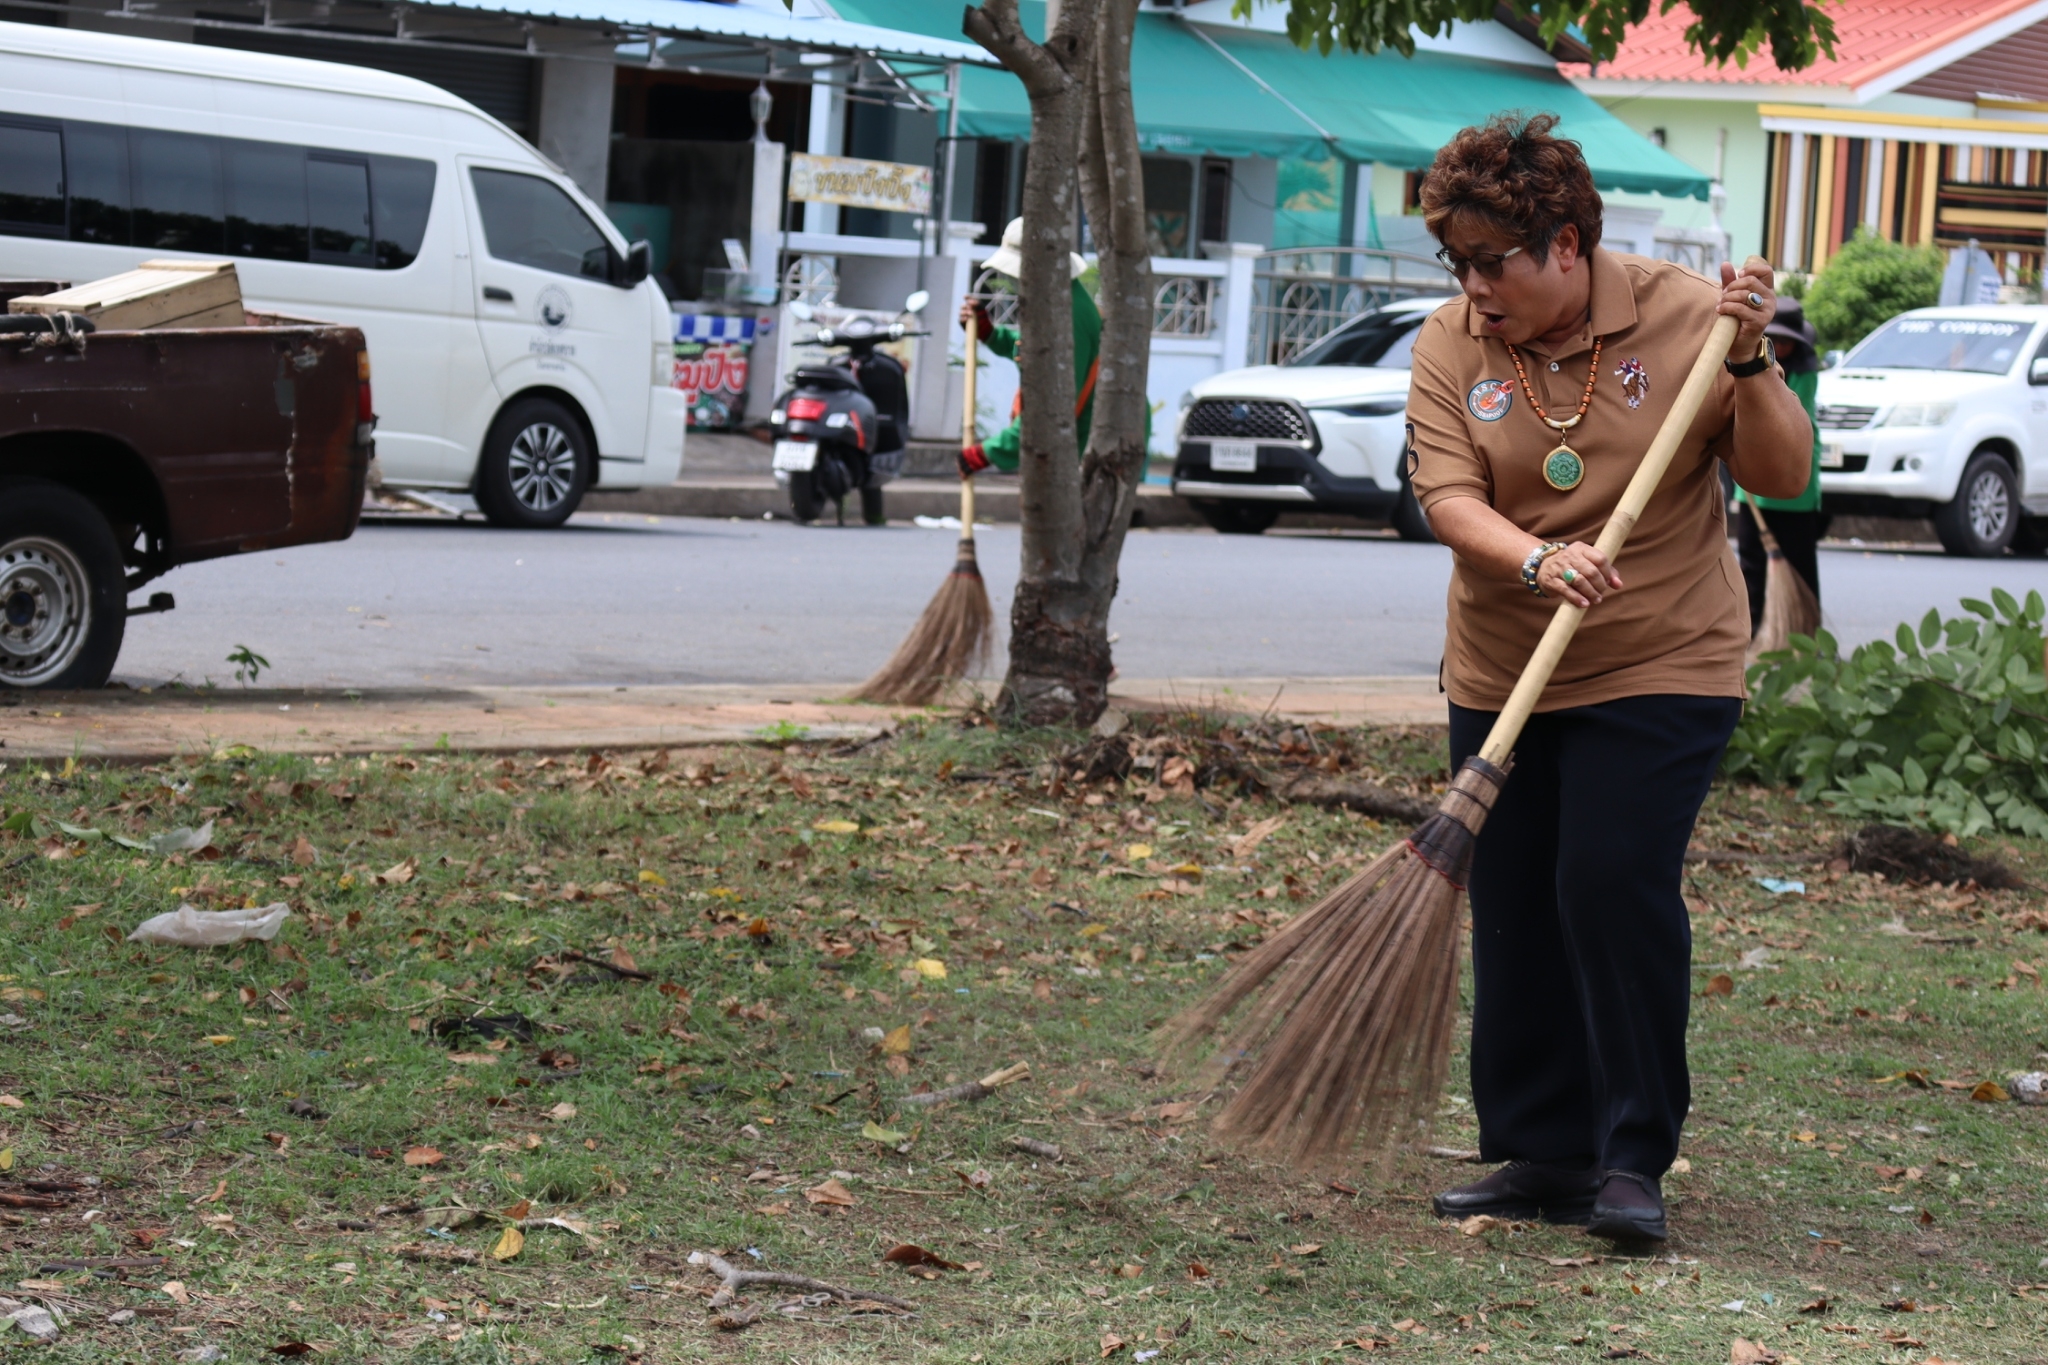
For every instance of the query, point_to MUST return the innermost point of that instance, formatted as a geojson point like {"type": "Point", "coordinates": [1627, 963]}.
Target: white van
{"type": "Point", "coordinates": [520, 350]}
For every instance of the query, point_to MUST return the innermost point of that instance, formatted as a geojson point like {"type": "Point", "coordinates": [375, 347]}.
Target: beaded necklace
{"type": "Point", "coordinates": [1562, 467]}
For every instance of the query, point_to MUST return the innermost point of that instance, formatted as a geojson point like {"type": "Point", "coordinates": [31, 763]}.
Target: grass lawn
{"type": "Point", "coordinates": [808, 937]}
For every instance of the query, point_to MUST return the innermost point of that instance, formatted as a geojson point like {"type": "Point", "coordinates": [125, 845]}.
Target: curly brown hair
{"type": "Point", "coordinates": [1513, 177]}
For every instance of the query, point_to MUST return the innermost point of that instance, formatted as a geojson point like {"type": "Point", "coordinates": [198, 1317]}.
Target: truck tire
{"type": "Point", "coordinates": [1982, 518]}
{"type": "Point", "coordinates": [1408, 521]}
{"type": "Point", "coordinates": [535, 467]}
{"type": "Point", "coordinates": [804, 502]}
{"type": "Point", "coordinates": [63, 589]}
{"type": "Point", "coordinates": [1239, 518]}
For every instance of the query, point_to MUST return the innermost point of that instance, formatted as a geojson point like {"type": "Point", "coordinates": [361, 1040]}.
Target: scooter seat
{"type": "Point", "coordinates": [825, 377]}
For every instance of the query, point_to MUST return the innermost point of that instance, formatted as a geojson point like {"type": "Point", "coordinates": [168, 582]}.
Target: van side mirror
{"type": "Point", "coordinates": [636, 265]}
{"type": "Point", "coordinates": [2037, 373]}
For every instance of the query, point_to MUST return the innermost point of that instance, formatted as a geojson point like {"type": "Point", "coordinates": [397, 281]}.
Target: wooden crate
{"type": "Point", "coordinates": [154, 295]}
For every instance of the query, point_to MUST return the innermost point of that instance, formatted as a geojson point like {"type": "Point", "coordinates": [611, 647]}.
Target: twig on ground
{"type": "Point", "coordinates": [1366, 798]}
{"type": "Point", "coordinates": [973, 1090]}
{"type": "Point", "coordinates": [1032, 1145]}
{"type": "Point", "coordinates": [631, 973]}
{"type": "Point", "coordinates": [1452, 1154]}
{"type": "Point", "coordinates": [733, 1280]}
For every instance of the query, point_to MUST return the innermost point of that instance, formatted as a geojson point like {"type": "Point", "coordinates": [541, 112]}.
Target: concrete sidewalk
{"type": "Point", "coordinates": [122, 726]}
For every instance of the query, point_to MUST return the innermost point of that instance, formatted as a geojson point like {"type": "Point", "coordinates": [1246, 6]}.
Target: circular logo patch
{"type": "Point", "coordinates": [1490, 399]}
{"type": "Point", "coordinates": [553, 310]}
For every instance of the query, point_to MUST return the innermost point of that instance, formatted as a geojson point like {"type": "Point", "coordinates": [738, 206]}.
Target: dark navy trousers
{"type": "Point", "coordinates": [1581, 946]}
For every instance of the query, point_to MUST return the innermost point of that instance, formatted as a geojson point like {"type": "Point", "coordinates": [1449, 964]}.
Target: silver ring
{"type": "Point", "coordinates": [1756, 300]}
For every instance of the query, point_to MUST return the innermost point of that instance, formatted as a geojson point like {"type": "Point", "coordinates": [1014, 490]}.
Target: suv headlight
{"type": "Point", "coordinates": [1919, 415]}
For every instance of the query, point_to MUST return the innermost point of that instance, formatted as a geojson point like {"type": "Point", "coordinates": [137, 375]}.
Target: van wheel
{"type": "Point", "coordinates": [535, 467]}
{"type": "Point", "coordinates": [804, 502]}
{"type": "Point", "coordinates": [1982, 518]}
{"type": "Point", "coordinates": [1408, 520]}
{"type": "Point", "coordinates": [63, 590]}
{"type": "Point", "coordinates": [1239, 518]}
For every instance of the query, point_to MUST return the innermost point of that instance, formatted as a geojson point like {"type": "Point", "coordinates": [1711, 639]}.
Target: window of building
{"type": "Point", "coordinates": [529, 221]}
{"type": "Point", "coordinates": [1215, 201]}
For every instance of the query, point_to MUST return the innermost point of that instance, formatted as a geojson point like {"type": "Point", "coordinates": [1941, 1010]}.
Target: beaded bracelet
{"type": "Point", "coordinates": [1534, 562]}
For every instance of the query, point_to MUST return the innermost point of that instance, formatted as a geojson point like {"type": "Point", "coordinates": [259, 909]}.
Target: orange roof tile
{"type": "Point", "coordinates": [1872, 37]}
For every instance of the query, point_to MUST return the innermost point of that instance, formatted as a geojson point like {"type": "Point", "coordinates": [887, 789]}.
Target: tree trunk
{"type": "Point", "coordinates": [1074, 511]}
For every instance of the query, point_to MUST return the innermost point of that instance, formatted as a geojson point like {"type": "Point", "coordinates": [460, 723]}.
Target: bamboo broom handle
{"type": "Point", "coordinates": [1500, 742]}
{"type": "Point", "coordinates": [967, 434]}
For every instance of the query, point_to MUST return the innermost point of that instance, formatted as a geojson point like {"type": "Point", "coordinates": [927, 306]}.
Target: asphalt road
{"type": "Point", "coordinates": [621, 599]}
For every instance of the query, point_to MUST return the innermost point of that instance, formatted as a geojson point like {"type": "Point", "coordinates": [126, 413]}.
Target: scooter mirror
{"type": "Point", "coordinates": [801, 311]}
{"type": "Point", "coordinates": [917, 302]}
{"type": "Point", "coordinates": [825, 337]}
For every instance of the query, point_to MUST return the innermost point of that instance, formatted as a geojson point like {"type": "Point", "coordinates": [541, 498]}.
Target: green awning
{"type": "Point", "coordinates": [1191, 101]}
{"type": "Point", "coordinates": [1399, 110]}
{"type": "Point", "coordinates": [1212, 90]}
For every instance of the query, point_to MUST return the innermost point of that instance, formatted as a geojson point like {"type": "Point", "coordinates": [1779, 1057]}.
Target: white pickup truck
{"type": "Point", "coordinates": [1943, 413]}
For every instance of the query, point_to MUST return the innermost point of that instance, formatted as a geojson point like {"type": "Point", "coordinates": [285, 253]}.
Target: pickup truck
{"type": "Point", "coordinates": [126, 453]}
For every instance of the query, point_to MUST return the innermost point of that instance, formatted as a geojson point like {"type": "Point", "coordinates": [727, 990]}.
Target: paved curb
{"type": "Point", "coordinates": [752, 497]}
{"type": "Point", "coordinates": [122, 726]}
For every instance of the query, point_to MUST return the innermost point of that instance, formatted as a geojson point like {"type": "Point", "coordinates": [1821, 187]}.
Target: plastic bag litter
{"type": "Point", "coordinates": [182, 839]}
{"type": "Point", "coordinates": [190, 927]}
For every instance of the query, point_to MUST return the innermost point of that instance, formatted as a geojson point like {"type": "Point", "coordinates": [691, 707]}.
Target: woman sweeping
{"type": "Point", "coordinates": [1533, 400]}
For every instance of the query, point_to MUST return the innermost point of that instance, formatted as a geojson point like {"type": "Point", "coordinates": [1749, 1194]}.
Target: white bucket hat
{"type": "Point", "coordinates": [1009, 257]}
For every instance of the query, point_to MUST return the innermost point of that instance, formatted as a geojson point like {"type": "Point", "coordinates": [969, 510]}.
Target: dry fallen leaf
{"type": "Point", "coordinates": [1243, 845]}
{"type": "Point", "coordinates": [776, 1210]}
{"type": "Point", "coordinates": [1477, 1224]}
{"type": "Point", "coordinates": [562, 1112]}
{"type": "Point", "coordinates": [510, 1243]}
{"type": "Point", "coordinates": [1721, 984]}
{"type": "Point", "coordinates": [303, 852]}
{"type": "Point", "coordinates": [473, 1058]}
{"type": "Point", "coordinates": [1990, 1092]}
{"type": "Point", "coordinates": [832, 1194]}
{"type": "Point", "coordinates": [1111, 1344]}
{"type": "Point", "coordinates": [1197, 1271]}
{"type": "Point", "coordinates": [896, 1041]}
{"type": "Point", "coordinates": [176, 1289]}
{"type": "Point", "coordinates": [399, 875]}
{"type": "Point", "coordinates": [1306, 1249]}
{"type": "Point", "coordinates": [911, 1254]}
{"type": "Point", "coordinates": [10, 1101]}
{"type": "Point", "coordinates": [1742, 1351]}
{"type": "Point", "coordinates": [422, 1156]}
{"type": "Point", "coordinates": [1681, 1167]}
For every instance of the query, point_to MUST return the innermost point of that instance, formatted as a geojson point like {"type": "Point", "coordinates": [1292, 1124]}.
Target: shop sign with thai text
{"type": "Point", "coordinates": [858, 184]}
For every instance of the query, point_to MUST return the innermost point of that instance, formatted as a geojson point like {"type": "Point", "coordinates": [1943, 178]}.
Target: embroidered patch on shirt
{"type": "Point", "coordinates": [1635, 381]}
{"type": "Point", "coordinates": [1490, 399]}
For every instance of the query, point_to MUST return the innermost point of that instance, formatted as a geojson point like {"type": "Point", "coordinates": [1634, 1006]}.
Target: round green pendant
{"type": "Point", "coordinates": [1562, 469]}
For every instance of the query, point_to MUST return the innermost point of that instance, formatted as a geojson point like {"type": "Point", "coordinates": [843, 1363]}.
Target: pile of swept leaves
{"type": "Point", "coordinates": [1948, 730]}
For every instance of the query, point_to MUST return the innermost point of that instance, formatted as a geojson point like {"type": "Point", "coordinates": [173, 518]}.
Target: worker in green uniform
{"type": "Point", "coordinates": [1001, 450]}
{"type": "Point", "coordinates": [1796, 523]}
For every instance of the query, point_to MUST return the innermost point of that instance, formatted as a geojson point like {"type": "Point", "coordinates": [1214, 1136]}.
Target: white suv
{"type": "Point", "coordinates": [1322, 432]}
{"type": "Point", "coordinates": [1943, 412]}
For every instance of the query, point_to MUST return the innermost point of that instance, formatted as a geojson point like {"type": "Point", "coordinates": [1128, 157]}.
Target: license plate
{"type": "Point", "coordinates": [796, 457]}
{"type": "Point", "coordinates": [1237, 457]}
{"type": "Point", "coordinates": [1830, 454]}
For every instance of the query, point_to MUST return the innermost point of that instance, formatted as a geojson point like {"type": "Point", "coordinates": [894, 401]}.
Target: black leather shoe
{"type": "Point", "coordinates": [1629, 1208]}
{"type": "Point", "coordinates": [1525, 1189]}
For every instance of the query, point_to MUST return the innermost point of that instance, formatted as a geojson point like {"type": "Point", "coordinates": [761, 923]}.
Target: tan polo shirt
{"type": "Point", "coordinates": [1681, 624]}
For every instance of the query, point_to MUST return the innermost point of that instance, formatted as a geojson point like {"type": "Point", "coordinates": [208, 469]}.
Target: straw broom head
{"type": "Point", "coordinates": [1790, 608]}
{"type": "Point", "coordinates": [1348, 1040]}
{"type": "Point", "coordinates": [948, 642]}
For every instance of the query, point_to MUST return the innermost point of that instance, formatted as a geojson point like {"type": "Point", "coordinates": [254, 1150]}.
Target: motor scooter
{"type": "Point", "coordinates": [841, 426]}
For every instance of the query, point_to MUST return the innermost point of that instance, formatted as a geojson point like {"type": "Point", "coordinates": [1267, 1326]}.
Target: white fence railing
{"type": "Point", "coordinates": [1302, 294]}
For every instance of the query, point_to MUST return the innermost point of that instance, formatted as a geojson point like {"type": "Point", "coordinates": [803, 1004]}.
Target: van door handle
{"type": "Point", "coordinates": [497, 295]}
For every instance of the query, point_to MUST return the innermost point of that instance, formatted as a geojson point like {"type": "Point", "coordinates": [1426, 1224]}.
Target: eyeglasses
{"type": "Point", "coordinates": [1488, 263]}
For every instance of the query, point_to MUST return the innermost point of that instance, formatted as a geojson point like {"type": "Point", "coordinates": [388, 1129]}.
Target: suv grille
{"type": "Point", "coordinates": [1842, 417]}
{"type": "Point", "coordinates": [1243, 419]}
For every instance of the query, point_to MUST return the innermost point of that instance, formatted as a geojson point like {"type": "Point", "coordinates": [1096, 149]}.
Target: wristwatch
{"type": "Point", "coordinates": [1766, 356]}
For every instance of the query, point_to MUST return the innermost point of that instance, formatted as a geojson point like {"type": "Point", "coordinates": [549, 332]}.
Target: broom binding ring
{"type": "Point", "coordinates": [1447, 840]}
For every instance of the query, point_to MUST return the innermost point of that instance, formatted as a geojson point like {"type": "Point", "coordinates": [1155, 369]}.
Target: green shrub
{"type": "Point", "coordinates": [1869, 282]}
{"type": "Point", "coordinates": [1948, 730]}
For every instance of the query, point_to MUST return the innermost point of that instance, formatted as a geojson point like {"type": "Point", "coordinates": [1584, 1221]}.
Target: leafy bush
{"type": "Point", "coordinates": [1869, 282]}
{"type": "Point", "coordinates": [1948, 730]}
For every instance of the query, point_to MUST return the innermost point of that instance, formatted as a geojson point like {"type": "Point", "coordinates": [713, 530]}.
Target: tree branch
{"type": "Point", "coordinates": [733, 1280]}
